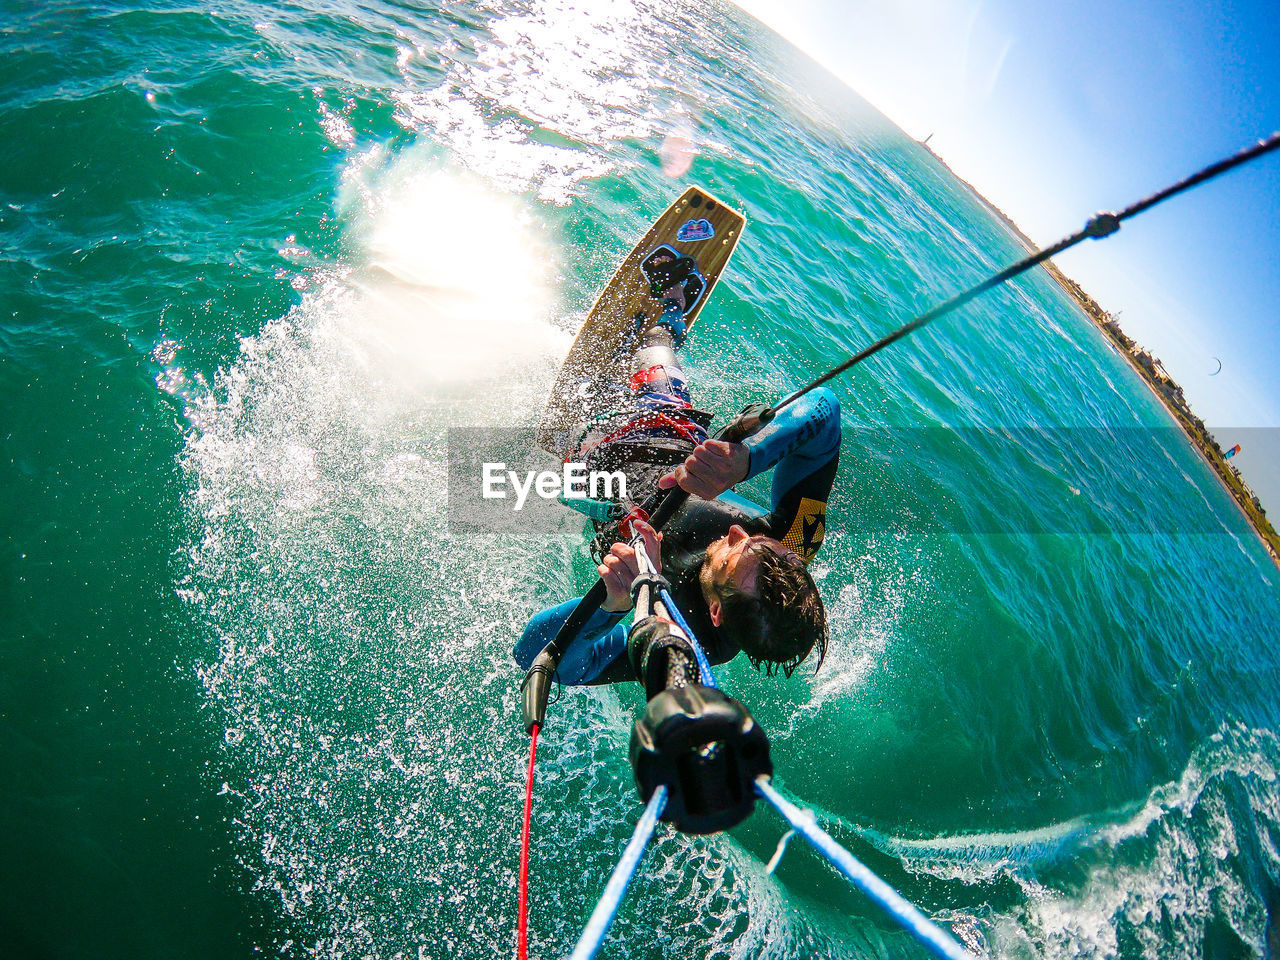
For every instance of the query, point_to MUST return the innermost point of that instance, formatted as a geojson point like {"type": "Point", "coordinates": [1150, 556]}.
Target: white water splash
{"type": "Point", "coordinates": [346, 658]}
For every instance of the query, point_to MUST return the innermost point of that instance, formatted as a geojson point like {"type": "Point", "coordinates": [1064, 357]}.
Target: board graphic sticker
{"type": "Point", "coordinates": [696, 230]}
{"type": "Point", "coordinates": [680, 258]}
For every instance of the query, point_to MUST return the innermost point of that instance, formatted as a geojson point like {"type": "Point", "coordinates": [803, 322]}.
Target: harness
{"type": "Point", "coordinates": [644, 447]}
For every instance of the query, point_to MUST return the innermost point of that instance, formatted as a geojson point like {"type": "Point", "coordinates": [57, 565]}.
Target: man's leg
{"type": "Point", "coordinates": [655, 371]}
{"type": "Point", "coordinates": [654, 401]}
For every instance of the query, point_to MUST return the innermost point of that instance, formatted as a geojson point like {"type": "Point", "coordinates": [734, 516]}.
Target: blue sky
{"type": "Point", "coordinates": [1054, 110]}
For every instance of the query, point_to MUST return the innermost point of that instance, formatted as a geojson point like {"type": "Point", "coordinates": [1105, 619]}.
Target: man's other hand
{"type": "Point", "coordinates": [620, 567]}
{"type": "Point", "coordinates": [712, 468]}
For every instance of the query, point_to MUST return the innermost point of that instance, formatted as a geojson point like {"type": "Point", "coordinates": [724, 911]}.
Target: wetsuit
{"type": "Point", "coordinates": [803, 443]}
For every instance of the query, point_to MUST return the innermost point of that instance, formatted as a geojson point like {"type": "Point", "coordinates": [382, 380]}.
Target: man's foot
{"type": "Point", "coordinates": [672, 320]}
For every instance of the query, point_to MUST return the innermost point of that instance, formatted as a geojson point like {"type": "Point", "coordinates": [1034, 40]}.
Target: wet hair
{"type": "Point", "coordinates": [783, 621]}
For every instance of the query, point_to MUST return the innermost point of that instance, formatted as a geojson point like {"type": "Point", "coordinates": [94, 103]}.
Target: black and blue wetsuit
{"type": "Point", "coordinates": [803, 443]}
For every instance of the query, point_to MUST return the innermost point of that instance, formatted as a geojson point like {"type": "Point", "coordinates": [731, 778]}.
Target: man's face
{"type": "Point", "coordinates": [733, 560]}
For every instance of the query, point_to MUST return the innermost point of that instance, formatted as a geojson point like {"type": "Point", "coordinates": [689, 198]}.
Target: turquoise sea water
{"type": "Point", "coordinates": [256, 700]}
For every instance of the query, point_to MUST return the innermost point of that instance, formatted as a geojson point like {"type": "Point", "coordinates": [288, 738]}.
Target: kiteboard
{"type": "Point", "coordinates": [680, 258]}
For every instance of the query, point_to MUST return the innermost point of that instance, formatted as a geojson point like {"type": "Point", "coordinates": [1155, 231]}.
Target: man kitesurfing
{"type": "Point", "coordinates": [738, 572]}
{"type": "Point", "coordinates": [699, 757]}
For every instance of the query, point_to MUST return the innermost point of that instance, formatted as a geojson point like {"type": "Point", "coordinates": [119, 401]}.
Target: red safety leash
{"type": "Point", "coordinates": [522, 924]}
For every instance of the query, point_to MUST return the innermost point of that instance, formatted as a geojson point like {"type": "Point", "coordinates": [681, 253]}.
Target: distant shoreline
{"type": "Point", "coordinates": [1153, 374]}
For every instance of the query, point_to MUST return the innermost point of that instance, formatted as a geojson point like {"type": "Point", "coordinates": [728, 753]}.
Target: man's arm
{"type": "Point", "coordinates": [802, 442]}
{"type": "Point", "coordinates": [603, 638]}
{"type": "Point", "coordinates": [597, 645]}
